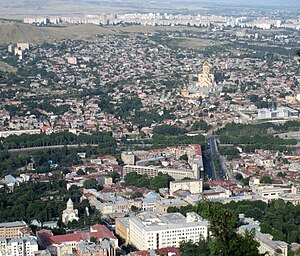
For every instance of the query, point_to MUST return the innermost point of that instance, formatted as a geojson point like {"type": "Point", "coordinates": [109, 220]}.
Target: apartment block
{"type": "Point", "coordinates": [150, 231]}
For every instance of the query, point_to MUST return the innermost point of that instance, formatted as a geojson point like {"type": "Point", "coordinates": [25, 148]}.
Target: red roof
{"type": "Point", "coordinates": [77, 237]}
{"type": "Point", "coordinates": [102, 231]}
{"type": "Point", "coordinates": [163, 251]}
{"type": "Point", "coordinates": [45, 235]}
{"type": "Point", "coordinates": [99, 232]}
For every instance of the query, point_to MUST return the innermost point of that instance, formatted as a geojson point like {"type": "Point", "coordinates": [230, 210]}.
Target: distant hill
{"type": "Point", "coordinates": [18, 32]}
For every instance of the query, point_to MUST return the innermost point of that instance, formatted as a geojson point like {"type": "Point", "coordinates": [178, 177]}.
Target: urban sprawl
{"type": "Point", "coordinates": [115, 145]}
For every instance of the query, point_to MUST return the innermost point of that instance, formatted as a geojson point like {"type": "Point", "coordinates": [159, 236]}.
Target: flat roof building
{"type": "Point", "coordinates": [150, 231]}
{"type": "Point", "coordinates": [14, 229]}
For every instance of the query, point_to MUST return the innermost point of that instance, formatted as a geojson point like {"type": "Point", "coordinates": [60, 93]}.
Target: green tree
{"type": "Point", "coordinates": [169, 130]}
{"type": "Point", "coordinates": [266, 179]}
{"type": "Point", "coordinates": [184, 157]}
{"type": "Point", "coordinates": [136, 195]}
{"type": "Point", "coordinates": [238, 176]}
{"type": "Point", "coordinates": [92, 183]}
{"type": "Point", "coordinates": [134, 208]}
{"type": "Point", "coordinates": [225, 239]}
{"type": "Point", "coordinates": [200, 125]}
{"type": "Point", "coordinates": [93, 239]}
{"type": "Point", "coordinates": [200, 248]}
{"type": "Point", "coordinates": [254, 98]}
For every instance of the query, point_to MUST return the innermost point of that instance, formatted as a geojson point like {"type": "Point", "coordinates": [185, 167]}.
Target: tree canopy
{"type": "Point", "coordinates": [169, 130]}
{"type": "Point", "coordinates": [160, 181]}
{"type": "Point", "coordinates": [225, 241]}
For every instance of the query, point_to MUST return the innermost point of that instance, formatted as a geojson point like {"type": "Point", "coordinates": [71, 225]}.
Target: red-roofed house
{"type": "Point", "coordinates": [67, 244]}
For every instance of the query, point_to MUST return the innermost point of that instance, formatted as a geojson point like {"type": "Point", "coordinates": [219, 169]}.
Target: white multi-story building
{"type": "Point", "coordinates": [25, 246]}
{"type": "Point", "coordinates": [269, 192]}
{"type": "Point", "coordinates": [152, 171]}
{"type": "Point", "coordinates": [282, 112]}
{"type": "Point", "coordinates": [148, 231]}
{"type": "Point", "coordinates": [194, 186]}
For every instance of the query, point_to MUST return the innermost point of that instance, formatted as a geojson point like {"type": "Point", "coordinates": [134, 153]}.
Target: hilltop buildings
{"type": "Point", "coordinates": [18, 49]}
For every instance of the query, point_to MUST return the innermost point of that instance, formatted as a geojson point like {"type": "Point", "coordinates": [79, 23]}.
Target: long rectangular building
{"type": "Point", "coordinates": [14, 229]}
{"type": "Point", "coordinates": [152, 171]}
{"type": "Point", "coordinates": [149, 231]}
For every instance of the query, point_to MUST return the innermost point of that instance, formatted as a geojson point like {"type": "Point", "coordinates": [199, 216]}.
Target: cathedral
{"type": "Point", "coordinates": [204, 85]}
{"type": "Point", "coordinates": [70, 213]}
{"type": "Point", "coordinates": [205, 79]}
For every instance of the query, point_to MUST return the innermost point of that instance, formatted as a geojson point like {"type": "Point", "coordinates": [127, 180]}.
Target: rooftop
{"type": "Point", "coordinates": [13, 224]}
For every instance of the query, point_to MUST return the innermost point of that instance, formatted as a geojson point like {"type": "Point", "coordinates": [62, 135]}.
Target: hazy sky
{"type": "Point", "coordinates": [295, 3]}
{"type": "Point", "coordinates": [16, 8]}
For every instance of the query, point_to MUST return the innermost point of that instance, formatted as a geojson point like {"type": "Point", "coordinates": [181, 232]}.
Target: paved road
{"type": "Point", "coordinates": [213, 153]}
{"type": "Point", "coordinates": [208, 165]}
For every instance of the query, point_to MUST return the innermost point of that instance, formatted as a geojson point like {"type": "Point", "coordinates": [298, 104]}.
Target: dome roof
{"type": "Point", "coordinates": [70, 202]}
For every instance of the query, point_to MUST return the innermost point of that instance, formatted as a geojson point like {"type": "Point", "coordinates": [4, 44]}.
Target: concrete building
{"type": "Point", "coordinates": [269, 192]}
{"type": "Point", "coordinates": [13, 229]}
{"type": "Point", "coordinates": [194, 186]}
{"type": "Point", "coordinates": [42, 253]}
{"type": "Point", "coordinates": [23, 46]}
{"type": "Point", "coordinates": [128, 158]}
{"type": "Point", "coordinates": [116, 207]}
{"type": "Point", "coordinates": [162, 206]}
{"type": "Point", "coordinates": [72, 60]}
{"type": "Point", "coordinates": [152, 171]}
{"type": "Point", "coordinates": [292, 198]}
{"type": "Point", "coordinates": [103, 248]}
{"type": "Point", "coordinates": [282, 112]}
{"type": "Point", "coordinates": [149, 231]}
{"type": "Point", "coordinates": [78, 243]}
{"type": "Point", "coordinates": [24, 246]}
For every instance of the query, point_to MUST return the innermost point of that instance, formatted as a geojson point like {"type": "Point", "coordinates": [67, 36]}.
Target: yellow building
{"type": "Point", "coordinates": [122, 228]}
{"type": "Point", "coordinates": [13, 229]}
{"type": "Point", "coordinates": [205, 79]}
{"type": "Point", "coordinates": [203, 86]}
